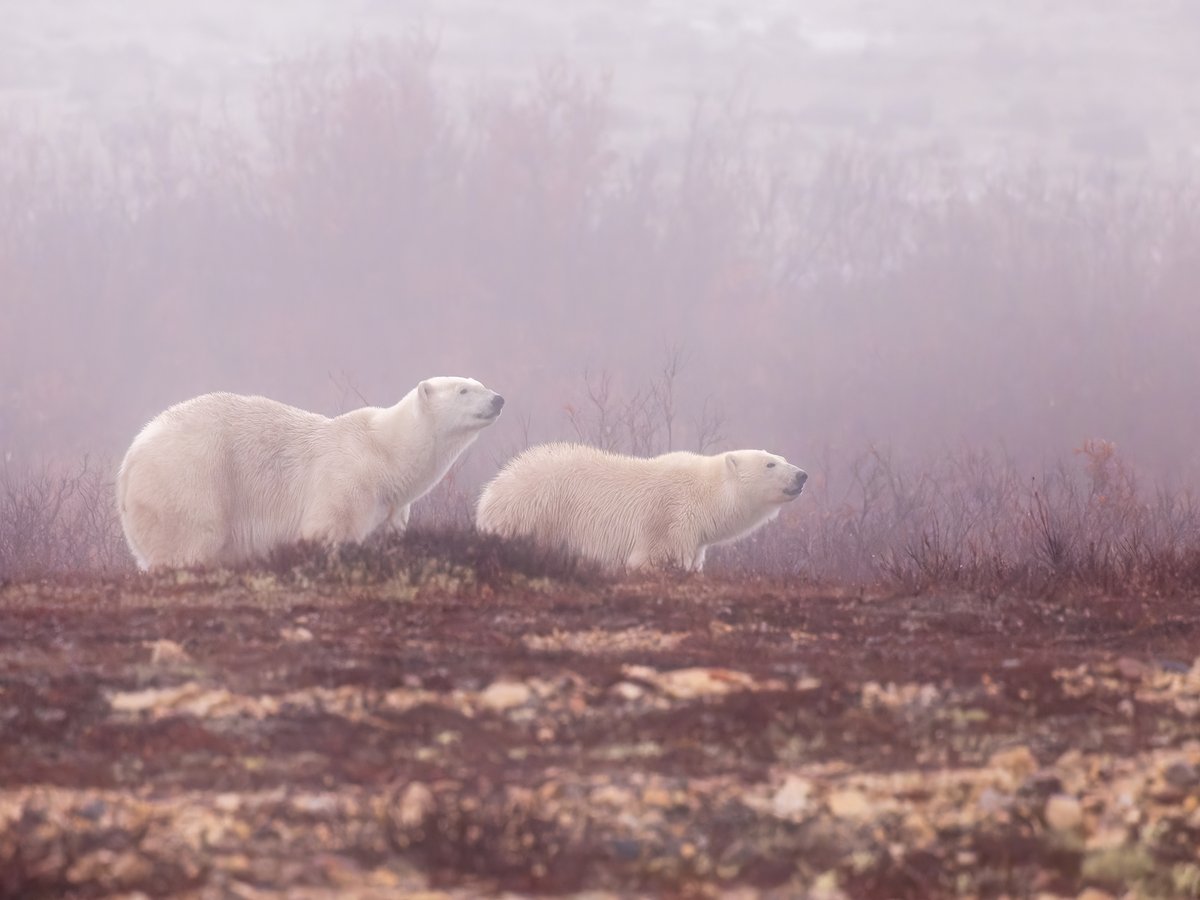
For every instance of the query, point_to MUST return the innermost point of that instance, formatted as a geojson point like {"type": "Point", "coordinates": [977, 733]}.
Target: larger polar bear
{"type": "Point", "coordinates": [628, 512]}
{"type": "Point", "coordinates": [223, 477]}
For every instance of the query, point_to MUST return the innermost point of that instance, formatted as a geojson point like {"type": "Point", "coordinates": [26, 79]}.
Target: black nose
{"type": "Point", "coordinates": [801, 477]}
{"type": "Point", "coordinates": [497, 402]}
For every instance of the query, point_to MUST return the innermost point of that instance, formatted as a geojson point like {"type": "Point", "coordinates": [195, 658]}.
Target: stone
{"type": "Point", "coordinates": [167, 653]}
{"type": "Point", "coordinates": [794, 797]}
{"type": "Point", "coordinates": [1064, 812]}
{"type": "Point", "coordinates": [629, 691]}
{"type": "Point", "coordinates": [849, 803]}
{"type": "Point", "coordinates": [501, 696]}
{"type": "Point", "coordinates": [1018, 761]}
{"type": "Point", "coordinates": [416, 802]}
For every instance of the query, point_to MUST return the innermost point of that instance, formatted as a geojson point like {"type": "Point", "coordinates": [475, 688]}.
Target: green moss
{"type": "Point", "coordinates": [1127, 866]}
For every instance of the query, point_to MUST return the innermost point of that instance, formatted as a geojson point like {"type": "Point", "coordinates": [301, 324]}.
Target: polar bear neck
{"type": "Point", "coordinates": [419, 454]}
{"type": "Point", "coordinates": [732, 517]}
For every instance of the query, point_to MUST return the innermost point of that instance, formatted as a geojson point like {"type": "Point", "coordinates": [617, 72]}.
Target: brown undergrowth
{"type": "Point", "coordinates": [973, 519]}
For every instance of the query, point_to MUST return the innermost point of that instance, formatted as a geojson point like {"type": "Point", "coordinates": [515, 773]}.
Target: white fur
{"type": "Point", "coordinates": [629, 512]}
{"type": "Point", "coordinates": [224, 477]}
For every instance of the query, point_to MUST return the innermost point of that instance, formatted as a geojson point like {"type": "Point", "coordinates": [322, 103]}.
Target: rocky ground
{"type": "Point", "coordinates": [444, 718]}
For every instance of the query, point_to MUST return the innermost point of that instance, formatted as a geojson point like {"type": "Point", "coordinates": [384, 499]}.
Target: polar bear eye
{"type": "Point", "coordinates": [770, 465]}
{"type": "Point", "coordinates": [463, 391]}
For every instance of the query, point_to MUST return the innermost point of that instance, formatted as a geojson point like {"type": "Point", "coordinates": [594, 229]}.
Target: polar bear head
{"type": "Point", "coordinates": [459, 404]}
{"type": "Point", "coordinates": [765, 479]}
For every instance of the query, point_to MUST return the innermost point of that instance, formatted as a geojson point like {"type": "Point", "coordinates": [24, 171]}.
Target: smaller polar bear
{"type": "Point", "coordinates": [223, 478]}
{"type": "Point", "coordinates": [629, 512]}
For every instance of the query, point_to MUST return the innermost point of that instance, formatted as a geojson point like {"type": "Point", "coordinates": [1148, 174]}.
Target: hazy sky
{"type": "Point", "coordinates": [985, 80]}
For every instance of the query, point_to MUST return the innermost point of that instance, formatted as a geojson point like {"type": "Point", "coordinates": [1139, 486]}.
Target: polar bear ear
{"type": "Point", "coordinates": [425, 390]}
{"type": "Point", "coordinates": [731, 462]}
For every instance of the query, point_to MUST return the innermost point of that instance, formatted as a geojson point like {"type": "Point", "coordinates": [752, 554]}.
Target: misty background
{"type": "Point", "coordinates": [919, 225]}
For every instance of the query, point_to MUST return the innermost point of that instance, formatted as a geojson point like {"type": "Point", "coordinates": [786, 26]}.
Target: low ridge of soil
{"type": "Point", "coordinates": [459, 726]}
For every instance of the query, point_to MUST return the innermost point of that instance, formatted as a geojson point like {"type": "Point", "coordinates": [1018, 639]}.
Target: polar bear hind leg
{"type": "Point", "coordinates": [161, 527]}
{"type": "Point", "coordinates": [167, 537]}
{"type": "Point", "coordinates": [345, 520]}
{"type": "Point", "coordinates": [398, 520]}
{"type": "Point", "coordinates": [638, 559]}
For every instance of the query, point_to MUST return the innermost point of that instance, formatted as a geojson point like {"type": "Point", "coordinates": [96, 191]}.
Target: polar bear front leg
{"type": "Point", "coordinates": [687, 557]}
{"type": "Point", "coordinates": [679, 548]}
{"type": "Point", "coordinates": [351, 520]}
{"type": "Point", "coordinates": [665, 555]}
{"type": "Point", "coordinates": [397, 520]}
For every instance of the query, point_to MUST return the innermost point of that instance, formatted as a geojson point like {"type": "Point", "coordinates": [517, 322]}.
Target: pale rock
{"type": "Point", "coordinates": [167, 653]}
{"type": "Point", "coordinates": [501, 696]}
{"type": "Point", "coordinates": [794, 797]}
{"type": "Point", "coordinates": [416, 802]}
{"type": "Point", "coordinates": [628, 691]}
{"type": "Point", "coordinates": [849, 803]}
{"type": "Point", "coordinates": [1018, 762]}
{"type": "Point", "coordinates": [1064, 812]}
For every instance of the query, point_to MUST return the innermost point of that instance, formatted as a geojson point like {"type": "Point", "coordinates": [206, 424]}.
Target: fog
{"type": "Point", "coordinates": [917, 225]}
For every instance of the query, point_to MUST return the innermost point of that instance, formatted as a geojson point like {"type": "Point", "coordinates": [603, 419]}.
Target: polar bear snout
{"type": "Point", "coordinates": [797, 485]}
{"type": "Point", "coordinates": [493, 410]}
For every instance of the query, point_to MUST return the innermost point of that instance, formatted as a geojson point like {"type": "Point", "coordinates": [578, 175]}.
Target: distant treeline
{"type": "Point", "coordinates": [366, 226]}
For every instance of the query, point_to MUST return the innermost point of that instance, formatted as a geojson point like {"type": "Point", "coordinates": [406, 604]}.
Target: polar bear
{"type": "Point", "coordinates": [224, 477]}
{"type": "Point", "coordinates": [631, 512]}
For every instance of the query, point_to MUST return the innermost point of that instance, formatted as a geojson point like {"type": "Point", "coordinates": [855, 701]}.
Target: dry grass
{"type": "Point", "coordinates": [54, 522]}
{"type": "Point", "coordinates": [978, 520]}
{"type": "Point", "coordinates": [462, 558]}
{"type": "Point", "coordinates": [972, 520]}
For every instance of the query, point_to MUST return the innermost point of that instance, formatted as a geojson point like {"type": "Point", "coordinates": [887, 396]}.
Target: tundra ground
{"type": "Point", "coordinates": [457, 716]}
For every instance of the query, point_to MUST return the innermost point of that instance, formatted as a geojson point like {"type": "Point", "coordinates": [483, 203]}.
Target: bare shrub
{"type": "Point", "coordinates": [974, 520]}
{"type": "Point", "coordinates": [969, 519]}
{"type": "Point", "coordinates": [645, 420]}
{"type": "Point", "coordinates": [449, 505]}
{"type": "Point", "coordinates": [53, 522]}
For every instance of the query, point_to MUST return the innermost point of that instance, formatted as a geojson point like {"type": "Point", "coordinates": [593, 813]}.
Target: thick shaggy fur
{"type": "Point", "coordinates": [224, 478]}
{"type": "Point", "coordinates": [627, 512]}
